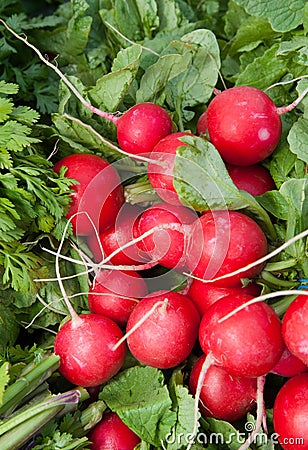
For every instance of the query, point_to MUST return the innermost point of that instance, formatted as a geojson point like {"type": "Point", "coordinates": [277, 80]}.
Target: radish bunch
{"type": "Point", "coordinates": [237, 345]}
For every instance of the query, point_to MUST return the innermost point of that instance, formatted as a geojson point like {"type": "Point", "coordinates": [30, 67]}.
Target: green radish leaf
{"type": "Point", "coordinates": [183, 404]}
{"type": "Point", "coordinates": [298, 139]}
{"type": "Point", "coordinates": [269, 68]}
{"type": "Point", "coordinates": [202, 182]}
{"type": "Point", "coordinates": [141, 399]}
{"type": "Point", "coordinates": [283, 16]}
{"type": "Point", "coordinates": [110, 89]}
{"type": "Point", "coordinates": [275, 203]}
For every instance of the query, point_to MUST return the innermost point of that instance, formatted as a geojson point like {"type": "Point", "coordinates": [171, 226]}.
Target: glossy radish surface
{"type": "Point", "coordinates": [111, 433]}
{"type": "Point", "coordinates": [161, 177]}
{"type": "Point", "coordinates": [222, 242]}
{"type": "Point", "coordinates": [141, 127]}
{"type": "Point", "coordinates": [289, 365]}
{"type": "Point", "coordinates": [243, 124]}
{"type": "Point", "coordinates": [254, 179]}
{"type": "Point", "coordinates": [167, 336]}
{"type": "Point", "coordinates": [115, 294]}
{"type": "Point", "coordinates": [166, 246]}
{"type": "Point", "coordinates": [99, 192]}
{"type": "Point", "coordinates": [117, 236]}
{"type": "Point", "coordinates": [247, 344]}
{"type": "Point", "coordinates": [223, 396]}
{"type": "Point", "coordinates": [290, 413]}
{"type": "Point", "coordinates": [84, 346]}
{"type": "Point", "coordinates": [205, 294]}
{"type": "Point", "coordinates": [295, 328]}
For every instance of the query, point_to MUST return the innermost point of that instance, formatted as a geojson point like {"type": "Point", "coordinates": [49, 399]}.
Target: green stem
{"type": "Point", "coordinates": [281, 306]}
{"type": "Point", "coordinates": [70, 397]}
{"type": "Point", "coordinates": [21, 433]}
{"type": "Point", "coordinates": [275, 281]}
{"type": "Point", "coordinates": [28, 381]}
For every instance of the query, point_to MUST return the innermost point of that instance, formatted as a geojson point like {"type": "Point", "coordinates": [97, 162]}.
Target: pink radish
{"type": "Point", "coordinates": [167, 336]}
{"type": "Point", "coordinates": [223, 396]}
{"type": "Point", "coordinates": [112, 434]}
{"type": "Point", "coordinates": [249, 343]}
{"type": "Point", "coordinates": [118, 235]}
{"type": "Point", "coordinates": [289, 365]}
{"type": "Point", "coordinates": [98, 193]}
{"type": "Point", "coordinates": [114, 294]}
{"type": "Point", "coordinates": [204, 295]}
{"type": "Point", "coordinates": [290, 413]}
{"type": "Point", "coordinates": [254, 179]}
{"type": "Point", "coordinates": [168, 246]}
{"type": "Point", "coordinates": [161, 176]}
{"type": "Point", "coordinates": [85, 347]}
{"type": "Point", "coordinates": [223, 241]}
{"type": "Point", "coordinates": [141, 127]}
{"type": "Point", "coordinates": [243, 124]}
{"type": "Point", "coordinates": [295, 328]}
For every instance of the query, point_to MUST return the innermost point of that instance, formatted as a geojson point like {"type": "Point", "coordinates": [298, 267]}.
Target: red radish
{"type": "Point", "coordinates": [161, 176]}
{"type": "Point", "coordinates": [247, 344]}
{"type": "Point", "coordinates": [290, 413]}
{"type": "Point", "coordinates": [244, 125]}
{"type": "Point", "coordinates": [166, 246]}
{"type": "Point", "coordinates": [118, 235]}
{"type": "Point", "coordinates": [111, 433]}
{"type": "Point", "coordinates": [201, 128]}
{"type": "Point", "coordinates": [205, 294]}
{"type": "Point", "coordinates": [223, 241]}
{"type": "Point", "coordinates": [254, 179]}
{"type": "Point", "coordinates": [114, 294]}
{"type": "Point", "coordinates": [167, 336]}
{"type": "Point", "coordinates": [99, 192]}
{"type": "Point", "coordinates": [295, 328]}
{"type": "Point", "coordinates": [289, 365]}
{"type": "Point", "coordinates": [223, 396]}
{"type": "Point", "coordinates": [141, 127]}
{"type": "Point", "coordinates": [85, 347]}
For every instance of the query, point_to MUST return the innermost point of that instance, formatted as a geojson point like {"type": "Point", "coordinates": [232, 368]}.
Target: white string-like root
{"type": "Point", "coordinates": [110, 144]}
{"type": "Point", "coordinates": [254, 263]}
{"type": "Point", "coordinates": [45, 306]}
{"type": "Point", "coordinates": [72, 312]}
{"type": "Point", "coordinates": [129, 40]}
{"type": "Point", "coordinates": [261, 298]}
{"type": "Point", "coordinates": [260, 414]}
{"type": "Point", "coordinates": [140, 322]}
{"type": "Point", "coordinates": [70, 85]}
{"type": "Point", "coordinates": [103, 263]}
{"type": "Point", "coordinates": [208, 362]}
{"type": "Point", "coordinates": [282, 83]}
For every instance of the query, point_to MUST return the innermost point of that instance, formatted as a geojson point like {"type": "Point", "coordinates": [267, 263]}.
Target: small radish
{"type": "Point", "coordinates": [201, 127]}
{"type": "Point", "coordinates": [295, 328]}
{"type": "Point", "coordinates": [243, 124]}
{"type": "Point", "coordinates": [223, 396]}
{"type": "Point", "coordinates": [85, 347]}
{"type": "Point", "coordinates": [118, 235]}
{"type": "Point", "coordinates": [167, 246]}
{"type": "Point", "coordinates": [111, 433]}
{"type": "Point", "coordinates": [223, 241]}
{"type": "Point", "coordinates": [205, 294]}
{"type": "Point", "coordinates": [161, 176]}
{"type": "Point", "coordinates": [289, 365]}
{"type": "Point", "coordinates": [254, 179]}
{"type": "Point", "coordinates": [98, 193]}
{"type": "Point", "coordinates": [166, 338]}
{"type": "Point", "coordinates": [247, 344]}
{"type": "Point", "coordinates": [114, 294]}
{"type": "Point", "coordinates": [141, 127]}
{"type": "Point", "coordinates": [290, 413]}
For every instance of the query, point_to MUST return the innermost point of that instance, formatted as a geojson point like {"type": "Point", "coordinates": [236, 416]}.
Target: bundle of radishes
{"type": "Point", "coordinates": [238, 340]}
